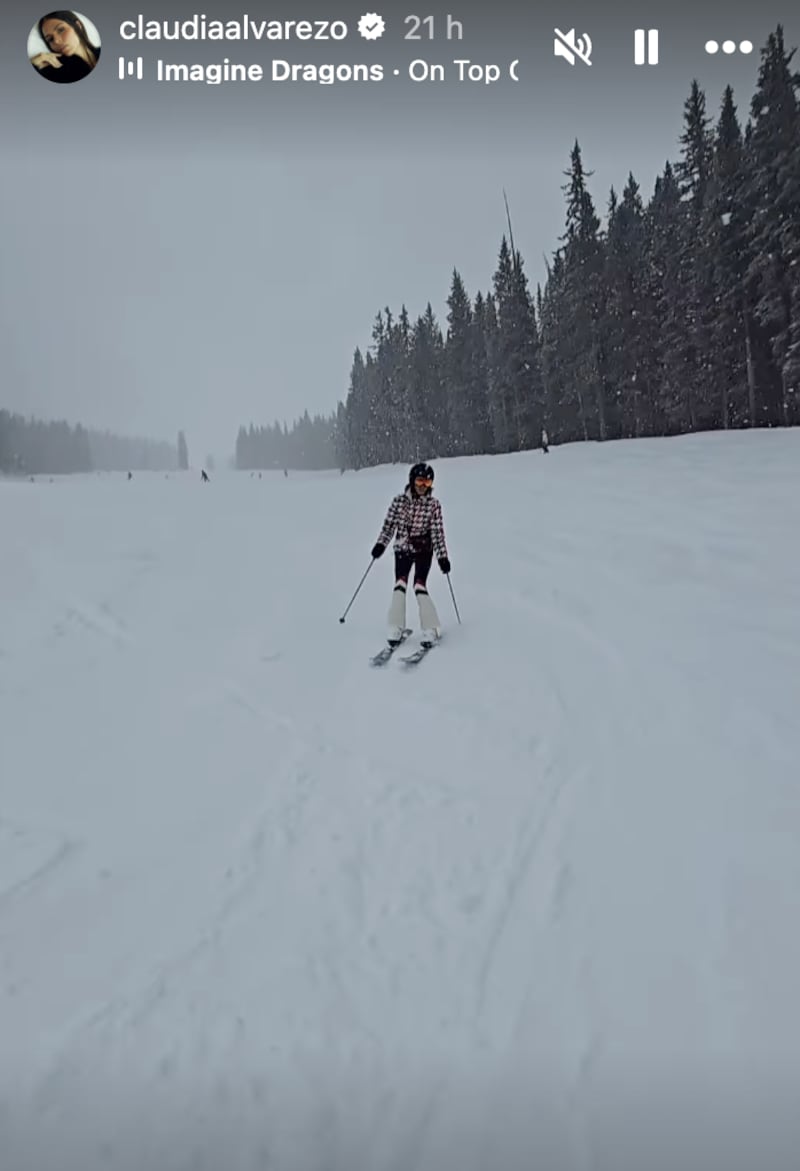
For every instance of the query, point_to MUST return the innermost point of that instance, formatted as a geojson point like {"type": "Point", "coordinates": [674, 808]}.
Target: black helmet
{"type": "Point", "coordinates": [421, 472]}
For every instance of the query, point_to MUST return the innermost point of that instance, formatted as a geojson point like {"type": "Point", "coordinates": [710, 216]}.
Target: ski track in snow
{"type": "Point", "coordinates": [264, 907]}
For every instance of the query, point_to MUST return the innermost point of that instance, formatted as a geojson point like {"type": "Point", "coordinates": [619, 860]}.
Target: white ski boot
{"type": "Point", "coordinates": [428, 619]}
{"type": "Point", "coordinates": [397, 616]}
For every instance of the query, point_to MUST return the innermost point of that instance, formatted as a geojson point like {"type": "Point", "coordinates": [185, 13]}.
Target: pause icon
{"type": "Point", "coordinates": [645, 47]}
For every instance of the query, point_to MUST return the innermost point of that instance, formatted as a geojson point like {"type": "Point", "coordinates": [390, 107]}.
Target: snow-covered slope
{"type": "Point", "coordinates": [535, 904]}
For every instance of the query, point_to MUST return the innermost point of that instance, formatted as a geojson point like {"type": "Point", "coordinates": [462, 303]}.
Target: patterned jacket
{"type": "Point", "coordinates": [418, 523]}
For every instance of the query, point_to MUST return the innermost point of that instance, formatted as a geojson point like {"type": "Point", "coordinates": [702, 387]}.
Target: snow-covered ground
{"type": "Point", "coordinates": [535, 904]}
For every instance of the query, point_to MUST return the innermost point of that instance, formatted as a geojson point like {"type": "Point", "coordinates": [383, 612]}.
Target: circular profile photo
{"type": "Point", "coordinates": [64, 46]}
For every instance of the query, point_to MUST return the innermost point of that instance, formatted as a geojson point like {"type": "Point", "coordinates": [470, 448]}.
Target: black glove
{"type": "Point", "coordinates": [378, 550]}
{"type": "Point", "coordinates": [444, 564]}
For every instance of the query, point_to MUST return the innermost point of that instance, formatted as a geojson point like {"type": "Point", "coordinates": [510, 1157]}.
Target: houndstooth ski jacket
{"type": "Point", "coordinates": [418, 523]}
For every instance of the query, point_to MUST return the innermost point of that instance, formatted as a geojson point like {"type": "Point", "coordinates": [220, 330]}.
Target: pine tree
{"type": "Point", "coordinates": [501, 390]}
{"type": "Point", "coordinates": [773, 192]}
{"type": "Point", "coordinates": [694, 174]}
{"type": "Point", "coordinates": [667, 267]}
{"type": "Point", "coordinates": [341, 443]}
{"type": "Point", "coordinates": [357, 408]}
{"type": "Point", "coordinates": [515, 386]}
{"type": "Point", "coordinates": [426, 388]}
{"type": "Point", "coordinates": [389, 389]}
{"type": "Point", "coordinates": [483, 322]}
{"type": "Point", "coordinates": [398, 358]}
{"type": "Point", "coordinates": [693, 171]}
{"type": "Point", "coordinates": [240, 457]}
{"type": "Point", "coordinates": [627, 325]}
{"type": "Point", "coordinates": [561, 415]}
{"type": "Point", "coordinates": [723, 232]}
{"type": "Point", "coordinates": [183, 452]}
{"type": "Point", "coordinates": [583, 277]}
{"type": "Point", "coordinates": [460, 370]}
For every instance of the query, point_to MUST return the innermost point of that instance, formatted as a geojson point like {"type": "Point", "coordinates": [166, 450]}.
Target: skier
{"type": "Point", "coordinates": [204, 477]}
{"type": "Point", "coordinates": [416, 516]}
{"type": "Point", "coordinates": [545, 441]}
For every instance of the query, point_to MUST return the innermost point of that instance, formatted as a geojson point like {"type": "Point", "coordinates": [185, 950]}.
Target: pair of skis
{"type": "Point", "coordinates": [383, 656]}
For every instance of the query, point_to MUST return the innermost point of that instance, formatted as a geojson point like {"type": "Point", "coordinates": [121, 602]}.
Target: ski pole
{"type": "Point", "coordinates": [452, 595]}
{"type": "Point", "coordinates": [360, 584]}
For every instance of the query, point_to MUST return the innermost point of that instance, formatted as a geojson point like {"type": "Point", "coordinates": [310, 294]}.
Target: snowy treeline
{"type": "Point", "coordinates": [682, 314]}
{"type": "Point", "coordinates": [309, 443]}
{"type": "Point", "coordinates": [35, 447]}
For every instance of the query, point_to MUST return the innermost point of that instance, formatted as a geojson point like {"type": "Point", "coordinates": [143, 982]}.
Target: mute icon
{"type": "Point", "coordinates": [570, 47]}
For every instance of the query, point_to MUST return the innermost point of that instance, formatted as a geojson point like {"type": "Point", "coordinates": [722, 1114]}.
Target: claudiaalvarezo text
{"type": "Point", "coordinates": [245, 28]}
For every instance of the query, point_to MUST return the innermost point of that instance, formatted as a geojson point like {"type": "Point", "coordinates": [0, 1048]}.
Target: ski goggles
{"type": "Point", "coordinates": [423, 481]}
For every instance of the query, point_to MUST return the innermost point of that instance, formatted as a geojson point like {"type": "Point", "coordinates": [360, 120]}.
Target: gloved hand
{"type": "Point", "coordinates": [444, 564]}
{"type": "Point", "coordinates": [378, 550]}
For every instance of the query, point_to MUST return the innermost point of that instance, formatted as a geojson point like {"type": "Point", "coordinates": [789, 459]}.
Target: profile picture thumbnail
{"type": "Point", "coordinates": [64, 46]}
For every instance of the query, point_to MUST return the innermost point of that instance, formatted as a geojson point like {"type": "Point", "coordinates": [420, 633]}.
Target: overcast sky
{"type": "Point", "coordinates": [193, 256]}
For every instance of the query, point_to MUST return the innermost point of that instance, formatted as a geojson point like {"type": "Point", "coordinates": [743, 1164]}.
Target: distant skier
{"type": "Point", "coordinates": [285, 474]}
{"type": "Point", "coordinates": [130, 475]}
{"type": "Point", "coordinates": [203, 477]}
{"type": "Point", "coordinates": [545, 442]}
{"type": "Point", "coordinates": [416, 516]}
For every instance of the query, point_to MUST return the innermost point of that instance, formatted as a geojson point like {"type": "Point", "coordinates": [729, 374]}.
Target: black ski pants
{"type": "Point", "coordinates": [420, 559]}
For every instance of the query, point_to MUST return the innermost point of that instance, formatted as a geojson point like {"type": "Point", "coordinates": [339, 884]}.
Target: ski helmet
{"type": "Point", "coordinates": [421, 472]}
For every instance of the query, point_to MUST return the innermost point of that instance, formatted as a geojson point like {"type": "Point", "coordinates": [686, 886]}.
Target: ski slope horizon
{"type": "Point", "coordinates": [532, 904]}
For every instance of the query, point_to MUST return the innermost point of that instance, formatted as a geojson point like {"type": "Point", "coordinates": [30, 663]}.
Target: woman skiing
{"type": "Point", "coordinates": [416, 516]}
